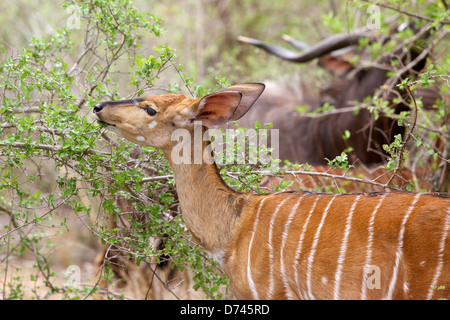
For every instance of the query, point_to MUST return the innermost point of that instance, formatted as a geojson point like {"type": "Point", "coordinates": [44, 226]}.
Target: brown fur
{"type": "Point", "coordinates": [311, 140]}
{"type": "Point", "coordinates": [256, 240]}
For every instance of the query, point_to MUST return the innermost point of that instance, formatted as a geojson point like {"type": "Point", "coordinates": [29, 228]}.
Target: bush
{"type": "Point", "coordinates": [46, 102]}
{"type": "Point", "coordinates": [57, 162]}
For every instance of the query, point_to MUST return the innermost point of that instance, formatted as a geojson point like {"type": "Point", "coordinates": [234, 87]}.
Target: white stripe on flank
{"type": "Point", "coordinates": [300, 244]}
{"type": "Point", "coordinates": [249, 272]}
{"type": "Point", "coordinates": [271, 258]}
{"type": "Point", "coordinates": [369, 247]}
{"type": "Point", "coordinates": [283, 244]}
{"type": "Point", "coordinates": [343, 250]}
{"type": "Point", "coordinates": [313, 248]}
{"type": "Point", "coordinates": [440, 256]}
{"type": "Point", "coordinates": [399, 252]}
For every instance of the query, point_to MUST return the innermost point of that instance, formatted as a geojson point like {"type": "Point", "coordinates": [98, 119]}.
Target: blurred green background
{"type": "Point", "coordinates": [203, 32]}
{"type": "Point", "coordinates": [203, 35]}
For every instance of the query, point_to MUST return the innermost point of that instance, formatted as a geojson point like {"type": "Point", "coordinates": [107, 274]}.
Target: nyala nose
{"type": "Point", "coordinates": [98, 107]}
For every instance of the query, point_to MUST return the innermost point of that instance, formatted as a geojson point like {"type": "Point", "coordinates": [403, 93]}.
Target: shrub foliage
{"type": "Point", "coordinates": [58, 164]}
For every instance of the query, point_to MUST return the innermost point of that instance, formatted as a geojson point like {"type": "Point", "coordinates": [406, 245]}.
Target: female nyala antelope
{"type": "Point", "coordinates": [293, 244]}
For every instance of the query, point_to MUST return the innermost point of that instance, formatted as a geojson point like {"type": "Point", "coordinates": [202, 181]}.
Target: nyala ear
{"type": "Point", "coordinates": [336, 65]}
{"type": "Point", "coordinates": [217, 108]}
{"type": "Point", "coordinates": [227, 104]}
{"type": "Point", "coordinates": [224, 105]}
{"type": "Point", "coordinates": [250, 93]}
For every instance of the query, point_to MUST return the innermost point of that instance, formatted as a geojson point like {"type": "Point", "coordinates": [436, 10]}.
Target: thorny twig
{"type": "Point", "coordinates": [406, 139]}
{"type": "Point", "coordinates": [408, 13]}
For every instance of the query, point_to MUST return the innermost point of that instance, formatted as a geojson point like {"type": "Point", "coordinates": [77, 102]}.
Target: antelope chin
{"type": "Point", "coordinates": [107, 125]}
{"type": "Point", "coordinates": [110, 127]}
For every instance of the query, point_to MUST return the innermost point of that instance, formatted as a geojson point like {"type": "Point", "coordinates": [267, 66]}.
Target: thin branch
{"type": "Point", "coordinates": [342, 177]}
{"type": "Point", "coordinates": [401, 159]}
{"type": "Point", "coordinates": [22, 145]}
{"type": "Point", "coordinates": [157, 178]}
{"type": "Point", "coordinates": [408, 13]}
{"type": "Point", "coordinates": [445, 4]}
{"type": "Point", "coordinates": [444, 77]}
{"type": "Point", "coordinates": [166, 286]}
{"type": "Point", "coordinates": [323, 174]}
{"type": "Point", "coordinates": [97, 289]}
{"type": "Point", "coordinates": [422, 55]}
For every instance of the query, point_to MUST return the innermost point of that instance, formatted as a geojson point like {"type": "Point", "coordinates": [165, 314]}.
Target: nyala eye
{"type": "Point", "coordinates": [150, 111]}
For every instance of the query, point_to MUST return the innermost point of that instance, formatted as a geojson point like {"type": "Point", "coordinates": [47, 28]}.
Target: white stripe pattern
{"type": "Point", "coordinates": [251, 283]}
{"type": "Point", "coordinates": [400, 248]}
{"type": "Point", "coordinates": [283, 244]}
{"type": "Point", "coordinates": [369, 247]}
{"type": "Point", "coordinates": [343, 250]}
{"type": "Point", "coordinates": [288, 216]}
{"type": "Point", "coordinates": [313, 248]}
{"type": "Point", "coordinates": [440, 256]}
{"type": "Point", "coordinates": [299, 248]}
{"type": "Point", "coordinates": [271, 256]}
